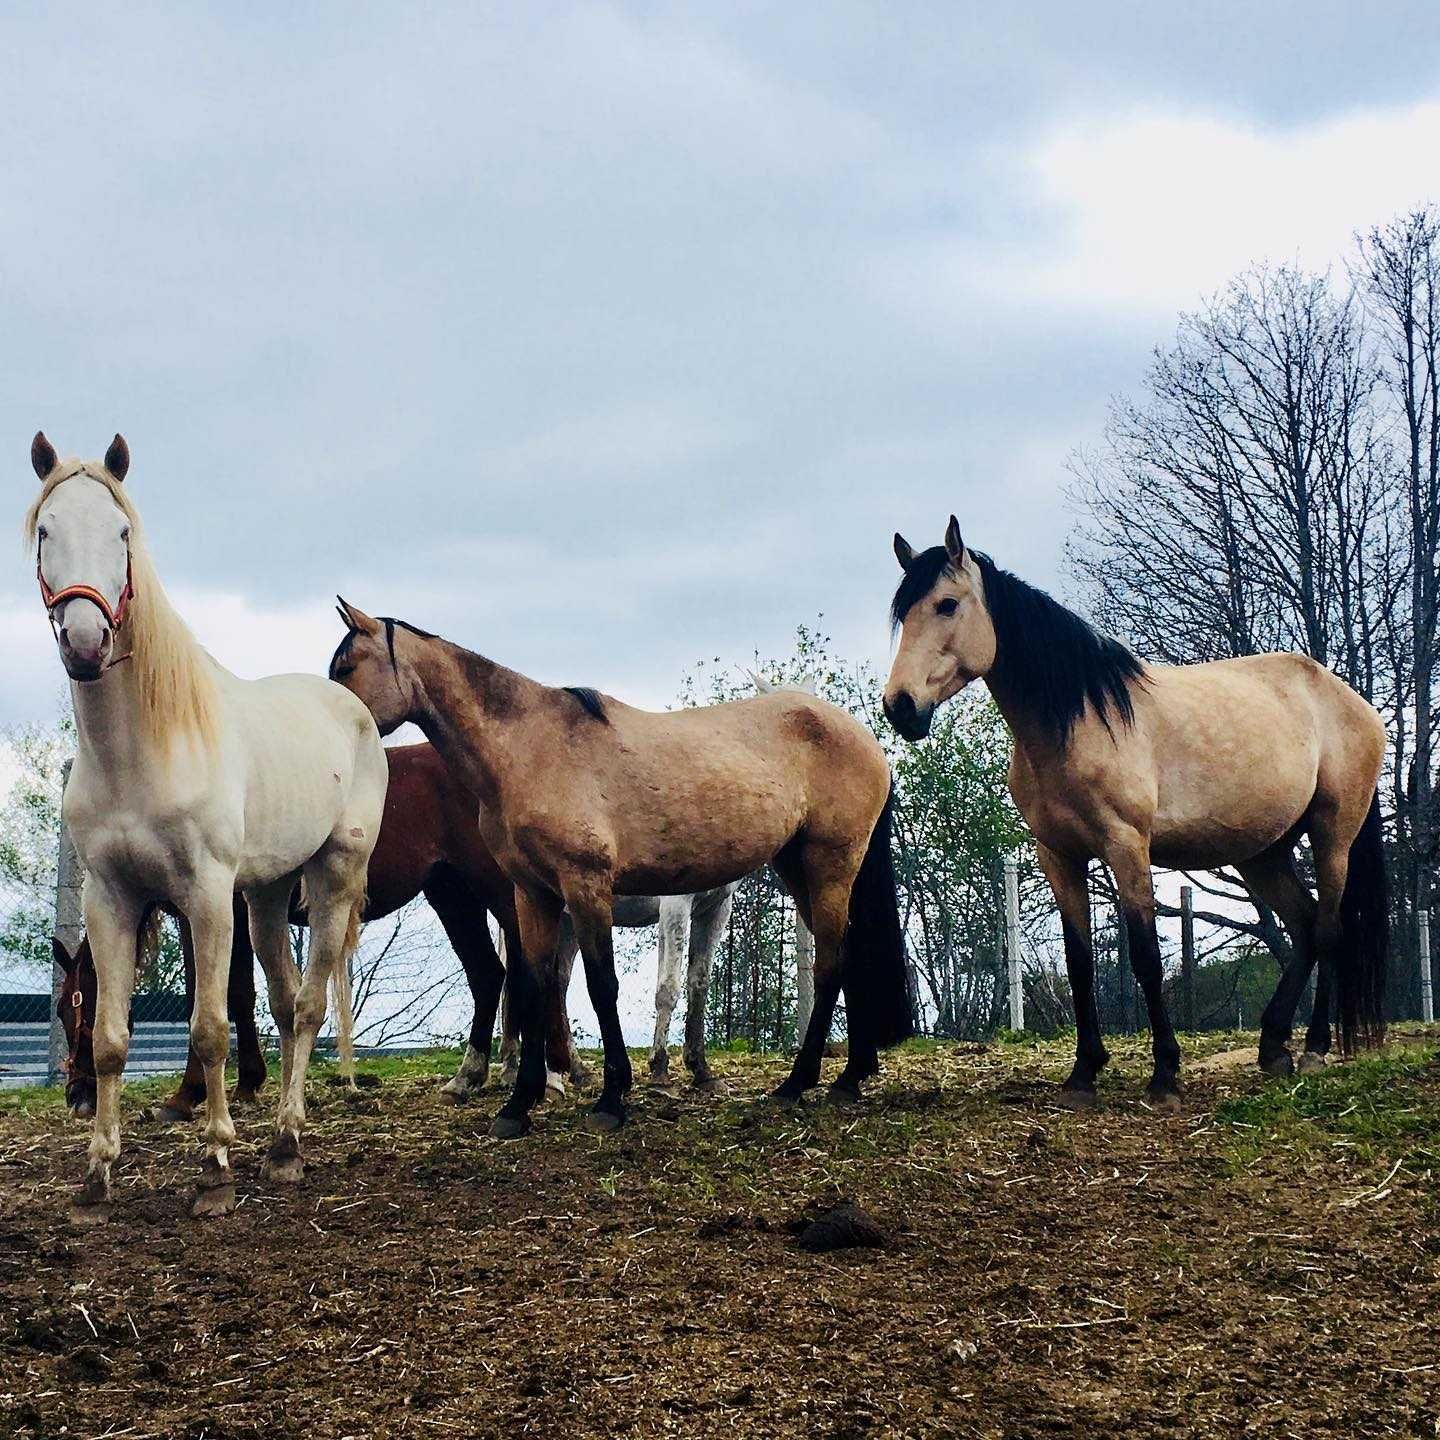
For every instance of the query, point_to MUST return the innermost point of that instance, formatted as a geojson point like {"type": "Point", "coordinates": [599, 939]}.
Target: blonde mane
{"type": "Point", "coordinates": [177, 686]}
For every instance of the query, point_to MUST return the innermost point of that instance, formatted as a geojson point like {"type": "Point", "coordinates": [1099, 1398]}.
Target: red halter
{"type": "Point", "coordinates": [115, 618]}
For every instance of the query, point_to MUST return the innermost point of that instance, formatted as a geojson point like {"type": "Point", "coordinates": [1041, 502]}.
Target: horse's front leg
{"type": "Point", "coordinates": [212, 923]}
{"type": "Point", "coordinates": [528, 970]}
{"type": "Point", "coordinates": [1129, 860]}
{"type": "Point", "coordinates": [675, 922]}
{"type": "Point", "coordinates": [1069, 883]}
{"type": "Point", "coordinates": [112, 920]}
{"type": "Point", "coordinates": [589, 901]}
{"type": "Point", "coordinates": [705, 932]}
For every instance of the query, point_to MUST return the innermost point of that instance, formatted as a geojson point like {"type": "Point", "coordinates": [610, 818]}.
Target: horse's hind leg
{"type": "Point", "coordinates": [705, 933]}
{"type": "Point", "coordinates": [335, 887]}
{"type": "Point", "coordinates": [190, 1091]}
{"type": "Point", "coordinates": [1271, 877]}
{"type": "Point", "coordinates": [1129, 860]}
{"type": "Point", "coordinates": [467, 925]}
{"type": "Point", "coordinates": [1069, 883]}
{"type": "Point", "coordinates": [111, 924]}
{"type": "Point", "coordinates": [675, 918]}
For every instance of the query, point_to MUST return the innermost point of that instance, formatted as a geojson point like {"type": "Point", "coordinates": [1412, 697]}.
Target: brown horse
{"type": "Point", "coordinates": [583, 799]}
{"type": "Point", "coordinates": [429, 843]}
{"type": "Point", "coordinates": [1191, 766]}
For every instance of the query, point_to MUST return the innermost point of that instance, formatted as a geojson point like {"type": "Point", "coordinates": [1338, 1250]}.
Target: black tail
{"type": "Point", "coordinates": [1364, 946]}
{"type": "Point", "coordinates": [876, 973]}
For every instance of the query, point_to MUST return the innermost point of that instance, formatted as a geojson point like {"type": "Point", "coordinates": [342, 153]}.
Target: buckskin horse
{"type": "Point", "coordinates": [584, 799]}
{"type": "Point", "coordinates": [188, 785]}
{"type": "Point", "coordinates": [1189, 766]}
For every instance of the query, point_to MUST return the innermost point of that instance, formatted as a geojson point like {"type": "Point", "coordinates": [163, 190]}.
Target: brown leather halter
{"type": "Point", "coordinates": [114, 618]}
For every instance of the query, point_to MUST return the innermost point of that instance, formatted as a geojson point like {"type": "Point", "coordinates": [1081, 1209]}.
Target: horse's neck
{"type": "Point", "coordinates": [112, 738]}
{"type": "Point", "coordinates": [1030, 736]}
{"type": "Point", "coordinates": [465, 719]}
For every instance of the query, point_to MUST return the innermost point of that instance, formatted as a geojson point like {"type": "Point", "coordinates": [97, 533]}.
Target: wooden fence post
{"type": "Point", "coordinates": [69, 930]}
{"type": "Point", "coordinates": [1012, 942]}
{"type": "Point", "coordinates": [1427, 993]}
{"type": "Point", "coordinates": [1187, 952]}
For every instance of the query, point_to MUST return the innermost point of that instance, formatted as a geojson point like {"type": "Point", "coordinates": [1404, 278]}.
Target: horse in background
{"type": "Point", "coordinates": [689, 930]}
{"type": "Point", "coordinates": [585, 799]}
{"type": "Point", "coordinates": [188, 785]}
{"type": "Point", "coordinates": [1188, 767]}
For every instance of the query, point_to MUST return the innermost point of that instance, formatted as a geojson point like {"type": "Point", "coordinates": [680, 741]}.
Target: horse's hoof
{"type": "Point", "coordinates": [602, 1122]}
{"type": "Point", "coordinates": [219, 1200]}
{"type": "Point", "coordinates": [1072, 1097]}
{"type": "Point", "coordinates": [1165, 1099]}
{"type": "Point", "coordinates": [284, 1164]}
{"type": "Point", "coordinates": [94, 1191]}
{"type": "Point", "coordinates": [788, 1097]}
{"type": "Point", "coordinates": [84, 1111]}
{"type": "Point", "coordinates": [449, 1095]}
{"type": "Point", "coordinates": [1280, 1065]}
{"type": "Point", "coordinates": [168, 1114]}
{"type": "Point", "coordinates": [244, 1099]}
{"type": "Point", "coordinates": [839, 1094]}
{"type": "Point", "coordinates": [1312, 1063]}
{"type": "Point", "coordinates": [509, 1127]}
{"type": "Point", "coordinates": [704, 1082]}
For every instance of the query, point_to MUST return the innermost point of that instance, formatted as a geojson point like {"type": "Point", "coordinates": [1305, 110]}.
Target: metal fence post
{"type": "Point", "coordinates": [1187, 952]}
{"type": "Point", "coordinates": [69, 930]}
{"type": "Point", "coordinates": [1427, 994]}
{"type": "Point", "coordinates": [1012, 942]}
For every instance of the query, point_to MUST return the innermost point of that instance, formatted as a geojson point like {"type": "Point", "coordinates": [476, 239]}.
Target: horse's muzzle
{"type": "Point", "coordinates": [909, 719]}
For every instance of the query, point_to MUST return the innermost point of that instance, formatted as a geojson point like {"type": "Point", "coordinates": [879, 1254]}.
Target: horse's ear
{"type": "Point", "coordinates": [42, 455]}
{"type": "Point", "coordinates": [117, 457]}
{"type": "Point", "coordinates": [809, 684]}
{"type": "Point", "coordinates": [63, 958]}
{"type": "Point", "coordinates": [763, 684]}
{"type": "Point", "coordinates": [357, 619]}
{"type": "Point", "coordinates": [954, 545]}
{"type": "Point", "coordinates": [903, 553]}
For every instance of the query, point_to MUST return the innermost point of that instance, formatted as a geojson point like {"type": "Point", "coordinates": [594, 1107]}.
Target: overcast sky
{"type": "Point", "coordinates": [601, 338]}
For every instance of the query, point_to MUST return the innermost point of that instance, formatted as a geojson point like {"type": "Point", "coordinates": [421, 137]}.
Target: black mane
{"type": "Point", "coordinates": [390, 624]}
{"type": "Point", "coordinates": [590, 701]}
{"type": "Point", "coordinates": [1051, 660]}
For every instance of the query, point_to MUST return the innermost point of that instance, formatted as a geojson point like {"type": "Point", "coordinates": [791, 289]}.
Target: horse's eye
{"type": "Point", "coordinates": [125, 534]}
{"type": "Point", "coordinates": [341, 671]}
{"type": "Point", "coordinates": [947, 607]}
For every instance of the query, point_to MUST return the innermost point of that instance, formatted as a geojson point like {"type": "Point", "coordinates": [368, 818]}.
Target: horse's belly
{"type": "Point", "coordinates": [1225, 835]}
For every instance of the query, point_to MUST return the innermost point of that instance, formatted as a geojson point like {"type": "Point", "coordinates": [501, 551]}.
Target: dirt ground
{"type": "Point", "coordinates": [1265, 1262]}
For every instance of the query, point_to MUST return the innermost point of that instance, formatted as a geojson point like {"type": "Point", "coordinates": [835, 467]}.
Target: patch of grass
{"type": "Point", "coordinates": [1382, 1105]}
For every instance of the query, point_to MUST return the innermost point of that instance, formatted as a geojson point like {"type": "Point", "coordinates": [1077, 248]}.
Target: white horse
{"type": "Point", "coordinates": [690, 927]}
{"type": "Point", "coordinates": [188, 785]}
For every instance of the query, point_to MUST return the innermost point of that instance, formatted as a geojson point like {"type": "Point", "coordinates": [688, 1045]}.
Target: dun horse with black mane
{"type": "Point", "coordinates": [584, 799]}
{"type": "Point", "coordinates": [1190, 766]}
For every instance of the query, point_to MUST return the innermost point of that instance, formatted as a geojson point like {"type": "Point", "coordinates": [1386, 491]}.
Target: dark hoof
{"type": "Point", "coordinates": [284, 1164]}
{"type": "Point", "coordinates": [604, 1118]}
{"type": "Point", "coordinates": [244, 1098]}
{"type": "Point", "coordinates": [580, 1076]}
{"type": "Point", "coordinates": [1312, 1063]}
{"type": "Point", "coordinates": [509, 1127]}
{"type": "Point", "coordinates": [1280, 1065]}
{"type": "Point", "coordinates": [1072, 1097]}
{"type": "Point", "coordinates": [451, 1096]}
{"type": "Point", "coordinates": [705, 1082]}
{"type": "Point", "coordinates": [1164, 1098]}
{"type": "Point", "coordinates": [843, 1094]}
{"type": "Point", "coordinates": [219, 1200]}
{"type": "Point", "coordinates": [660, 1066]}
{"type": "Point", "coordinates": [789, 1094]}
{"type": "Point", "coordinates": [168, 1114]}
{"type": "Point", "coordinates": [85, 1110]}
{"type": "Point", "coordinates": [94, 1191]}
